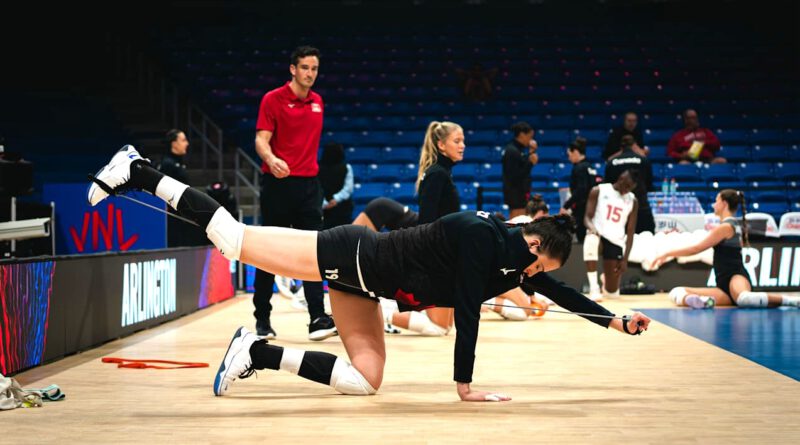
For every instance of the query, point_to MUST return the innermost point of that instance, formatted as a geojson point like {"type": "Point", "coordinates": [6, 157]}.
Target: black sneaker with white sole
{"type": "Point", "coordinates": [264, 330]}
{"type": "Point", "coordinates": [322, 328]}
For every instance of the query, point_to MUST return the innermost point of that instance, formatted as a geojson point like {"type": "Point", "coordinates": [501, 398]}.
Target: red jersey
{"type": "Point", "coordinates": [682, 140]}
{"type": "Point", "coordinates": [296, 126]}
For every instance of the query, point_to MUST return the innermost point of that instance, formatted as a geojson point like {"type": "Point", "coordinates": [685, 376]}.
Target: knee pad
{"type": "Point", "coordinates": [420, 323]}
{"type": "Point", "coordinates": [677, 294]}
{"type": "Point", "coordinates": [347, 380]}
{"type": "Point", "coordinates": [590, 246]}
{"type": "Point", "coordinates": [226, 233]}
{"type": "Point", "coordinates": [752, 299]}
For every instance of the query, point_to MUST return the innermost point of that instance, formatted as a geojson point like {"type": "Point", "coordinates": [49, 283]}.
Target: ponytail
{"type": "Point", "coordinates": [437, 131]}
{"type": "Point", "coordinates": [745, 236]}
{"type": "Point", "coordinates": [734, 199]}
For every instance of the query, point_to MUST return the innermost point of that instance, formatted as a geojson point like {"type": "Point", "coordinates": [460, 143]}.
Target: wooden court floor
{"type": "Point", "coordinates": [572, 382]}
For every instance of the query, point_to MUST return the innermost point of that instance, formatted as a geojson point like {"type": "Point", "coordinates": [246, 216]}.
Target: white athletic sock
{"type": "Point", "coordinates": [607, 294]}
{"type": "Point", "coordinates": [420, 323]}
{"type": "Point", "coordinates": [677, 295]}
{"type": "Point", "coordinates": [388, 309]}
{"type": "Point", "coordinates": [593, 285]}
{"type": "Point", "coordinates": [788, 300]}
{"type": "Point", "coordinates": [292, 359]}
{"type": "Point", "coordinates": [170, 191]}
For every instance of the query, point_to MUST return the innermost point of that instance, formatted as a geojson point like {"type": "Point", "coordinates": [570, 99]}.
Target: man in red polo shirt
{"type": "Point", "coordinates": [287, 140]}
{"type": "Point", "coordinates": [694, 143]}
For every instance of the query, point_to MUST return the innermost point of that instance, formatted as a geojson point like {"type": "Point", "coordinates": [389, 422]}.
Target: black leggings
{"type": "Point", "coordinates": [385, 212]}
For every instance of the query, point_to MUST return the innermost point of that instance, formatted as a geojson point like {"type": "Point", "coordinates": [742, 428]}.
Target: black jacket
{"type": "Point", "coordinates": [460, 261]}
{"type": "Point", "coordinates": [614, 143]}
{"type": "Point", "coordinates": [581, 181]}
{"type": "Point", "coordinates": [630, 160]}
{"type": "Point", "coordinates": [516, 172]}
{"type": "Point", "coordinates": [172, 165]}
{"type": "Point", "coordinates": [438, 195]}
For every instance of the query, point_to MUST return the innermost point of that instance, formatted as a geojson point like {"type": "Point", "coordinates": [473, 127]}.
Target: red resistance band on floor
{"type": "Point", "coordinates": [143, 363]}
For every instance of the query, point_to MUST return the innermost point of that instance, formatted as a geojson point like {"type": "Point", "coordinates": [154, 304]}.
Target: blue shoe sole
{"type": "Point", "coordinates": [218, 379]}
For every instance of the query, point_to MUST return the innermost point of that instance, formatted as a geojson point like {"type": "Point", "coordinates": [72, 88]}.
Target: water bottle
{"type": "Point", "coordinates": [664, 186]}
{"type": "Point", "coordinates": [673, 186]}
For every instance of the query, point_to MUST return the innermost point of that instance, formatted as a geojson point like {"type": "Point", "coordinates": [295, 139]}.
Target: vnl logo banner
{"type": "Point", "coordinates": [148, 290]}
{"type": "Point", "coordinates": [770, 266]}
{"type": "Point", "coordinates": [114, 225]}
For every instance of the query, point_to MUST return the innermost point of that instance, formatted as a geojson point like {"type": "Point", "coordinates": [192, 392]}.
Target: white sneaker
{"type": "Point", "coordinates": [698, 302]}
{"type": "Point", "coordinates": [114, 174]}
{"type": "Point", "coordinates": [236, 363]}
{"type": "Point", "coordinates": [595, 295]}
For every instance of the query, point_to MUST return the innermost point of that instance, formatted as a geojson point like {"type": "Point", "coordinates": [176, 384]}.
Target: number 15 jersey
{"type": "Point", "coordinates": [611, 214]}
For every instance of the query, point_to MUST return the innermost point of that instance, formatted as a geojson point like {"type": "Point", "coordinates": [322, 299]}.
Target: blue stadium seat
{"type": "Point", "coordinates": [558, 138]}
{"type": "Point", "coordinates": [483, 154]}
{"type": "Point", "coordinates": [681, 172]}
{"type": "Point", "coordinates": [562, 171]}
{"type": "Point", "coordinates": [733, 136]}
{"type": "Point", "coordinates": [364, 193]}
{"type": "Point", "coordinates": [466, 191]}
{"type": "Point", "coordinates": [766, 184]}
{"type": "Point", "coordinates": [542, 172]}
{"type": "Point", "coordinates": [767, 136]}
{"type": "Point", "coordinates": [593, 153]}
{"type": "Point", "coordinates": [387, 172]}
{"type": "Point", "coordinates": [594, 138]}
{"type": "Point", "coordinates": [788, 171]}
{"type": "Point", "coordinates": [404, 193]}
{"type": "Point", "coordinates": [466, 171]}
{"type": "Point", "coordinates": [551, 154]}
{"type": "Point", "coordinates": [768, 153]}
{"type": "Point", "coordinates": [363, 155]}
{"type": "Point", "coordinates": [793, 152]}
{"type": "Point", "coordinates": [776, 209]}
{"type": "Point", "coordinates": [657, 138]}
{"type": "Point", "coordinates": [767, 196]}
{"type": "Point", "coordinates": [719, 172]}
{"type": "Point", "coordinates": [400, 155]}
{"type": "Point", "coordinates": [756, 171]}
{"type": "Point", "coordinates": [699, 186]}
{"type": "Point", "coordinates": [491, 172]}
{"type": "Point", "coordinates": [735, 153]}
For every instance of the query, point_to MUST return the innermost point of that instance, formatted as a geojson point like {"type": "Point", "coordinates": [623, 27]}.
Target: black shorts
{"type": "Point", "coordinates": [724, 278]}
{"type": "Point", "coordinates": [515, 200]}
{"type": "Point", "coordinates": [344, 254]}
{"type": "Point", "coordinates": [610, 250]}
{"type": "Point", "coordinates": [385, 212]}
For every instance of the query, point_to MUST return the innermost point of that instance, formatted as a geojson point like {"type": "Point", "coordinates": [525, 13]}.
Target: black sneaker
{"type": "Point", "coordinates": [322, 328]}
{"type": "Point", "coordinates": [264, 329]}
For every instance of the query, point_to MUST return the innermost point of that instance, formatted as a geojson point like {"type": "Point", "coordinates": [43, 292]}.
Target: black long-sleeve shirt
{"type": "Point", "coordinates": [581, 181]}
{"type": "Point", "coordinates": [614, 143]}
{"type": "Point", "coordinates": [516, 172]}
{"type": "Point", "coordinates": [438, 195]}
{"type": "Point", "coordinates": [630, 160]}
{"type": "Point", "coordinates": [172, 165]}
{"type": "Point", "coordinates": [460, 261]}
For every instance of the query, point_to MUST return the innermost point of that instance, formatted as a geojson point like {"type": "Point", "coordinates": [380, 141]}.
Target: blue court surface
{"type": "Point", "coordinates": [769, 337]}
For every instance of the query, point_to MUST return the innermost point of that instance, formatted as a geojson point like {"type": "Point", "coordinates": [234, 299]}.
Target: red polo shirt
{"type": "Point", "coordinates": [296, 126]}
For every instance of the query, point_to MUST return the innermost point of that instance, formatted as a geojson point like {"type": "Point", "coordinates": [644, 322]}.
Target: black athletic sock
{"type": "Point", "coordinates": [193, 205]}
{"type": "Point", "coordinates": [314, 365]}
{"type": "Point", "coordinates": [144, 177]}
{"type": "Point", "coordinates": [197, 206]}
{"type": "Point", "coordinates": [266, 356]}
